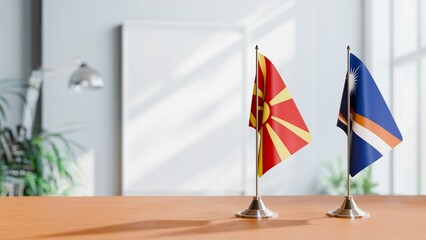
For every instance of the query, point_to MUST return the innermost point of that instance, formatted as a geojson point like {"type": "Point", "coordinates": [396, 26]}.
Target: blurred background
{"type": "Point", "coordinates": [172, 118]}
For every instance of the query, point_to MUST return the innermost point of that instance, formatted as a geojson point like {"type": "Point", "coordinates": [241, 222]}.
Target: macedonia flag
{"type": "Point", "coordinates": [281, 127]}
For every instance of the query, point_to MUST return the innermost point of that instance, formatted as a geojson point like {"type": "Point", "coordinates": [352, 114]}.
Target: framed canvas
{"type": "Point", "coordinates": [185, 97]}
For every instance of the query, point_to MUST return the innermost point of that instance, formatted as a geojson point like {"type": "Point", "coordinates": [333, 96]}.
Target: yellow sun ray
{"type": "Point", "coordinates": [259, 92]}
{"type": "Point", "coordinates": [260, 163]}
{"type": "Point", "coordinates": [279, 145]}
{"type": "Point", "coordinates": [253, 119]}
{"type": "Point", "coordinates": [283, 96]}
{"type": "Point", "coordinates": [261, 60]}
{"type": "Point", "coordinates": [298, 131]}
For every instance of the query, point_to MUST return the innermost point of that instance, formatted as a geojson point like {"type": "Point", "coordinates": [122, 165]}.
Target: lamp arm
{"type": "Point", "coordinates": [33, 93]}
{"type": "Point", "coordinates": [47, 71]}
{"type": "Point", "coordinates": [83, 76]}
{"type": "Point", "coordinates": [32, 97]}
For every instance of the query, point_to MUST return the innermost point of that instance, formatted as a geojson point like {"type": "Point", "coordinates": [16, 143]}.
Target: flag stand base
{"type": "Point", "coordinates": [348, 209]}
{"type": "Point", "coordinates": [257, 209]}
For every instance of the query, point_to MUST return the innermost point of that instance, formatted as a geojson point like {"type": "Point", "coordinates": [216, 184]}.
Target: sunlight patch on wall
{"type": "Point", "coordinates": [406, 116]}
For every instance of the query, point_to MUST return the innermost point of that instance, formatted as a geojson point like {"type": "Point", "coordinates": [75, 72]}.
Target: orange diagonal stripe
{"type": "Point", "coordinates": [390, 139]}
{"type": "Point", "coordinates": [342, 119]}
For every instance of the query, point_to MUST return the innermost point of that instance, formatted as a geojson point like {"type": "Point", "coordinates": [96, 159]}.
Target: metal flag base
{"type": "Point", "coordinates": [257, 209]}
{"type": "Point", "coordinates": [349, 209]}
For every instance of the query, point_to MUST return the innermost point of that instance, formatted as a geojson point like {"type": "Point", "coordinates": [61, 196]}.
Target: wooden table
{"type": "Point", "coordinates": [301, 217]}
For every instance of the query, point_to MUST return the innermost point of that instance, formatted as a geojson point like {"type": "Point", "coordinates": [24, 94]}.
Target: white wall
{"type": "Point", "coordinates": [393, 43]}
{"type": "Point", "coordinates": [305, 39]}
{"type": "Point", "coordinates": [15, 47]}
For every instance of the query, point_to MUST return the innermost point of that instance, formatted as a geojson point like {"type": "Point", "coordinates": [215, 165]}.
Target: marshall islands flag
{"type": "Point", "coordinates": [373, 131]}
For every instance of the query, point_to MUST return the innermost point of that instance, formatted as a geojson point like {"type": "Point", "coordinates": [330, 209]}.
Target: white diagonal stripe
{"type": "Point", "coordinates": [371, 138]}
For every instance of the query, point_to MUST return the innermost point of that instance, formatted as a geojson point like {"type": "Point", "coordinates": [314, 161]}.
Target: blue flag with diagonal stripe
{"type": "Point", "coordinates": [373, 131]}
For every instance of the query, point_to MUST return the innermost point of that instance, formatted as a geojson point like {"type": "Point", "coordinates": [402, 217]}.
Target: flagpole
{"type": "Point", "coordinates": [257, 208]}
{"type": "Point", "coordinates": [257, 122]}
{"type": "Point", "coordinates": [348, 129]}
{"type": "Point", "coordinates": [348, 209]}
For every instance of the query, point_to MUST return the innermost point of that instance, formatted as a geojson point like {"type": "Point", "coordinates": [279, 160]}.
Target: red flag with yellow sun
{"type": "Point", "coordinates": [281, 127]}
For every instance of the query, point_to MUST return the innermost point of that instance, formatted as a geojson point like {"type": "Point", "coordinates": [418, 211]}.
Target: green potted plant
{"type": "Point", "coordinates": [32, 165]}
{"type": "Point", "coordinates": [333, 180]}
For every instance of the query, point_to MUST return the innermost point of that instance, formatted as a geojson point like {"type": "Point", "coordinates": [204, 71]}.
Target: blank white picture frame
{"type": "Point", "coordinates": [184, 109]}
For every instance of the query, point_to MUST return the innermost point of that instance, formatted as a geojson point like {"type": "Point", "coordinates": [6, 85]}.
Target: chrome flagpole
{"type": "Point", "coordinates": [257, 208]}
{"type": "Point", "coordinates": [348, 209]}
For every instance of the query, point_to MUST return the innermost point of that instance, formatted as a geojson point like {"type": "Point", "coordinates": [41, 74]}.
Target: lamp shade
{"type": "Point", "coordinates": [86, 77]}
